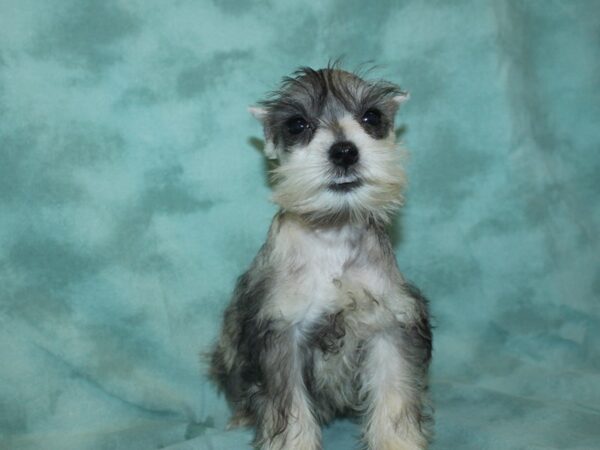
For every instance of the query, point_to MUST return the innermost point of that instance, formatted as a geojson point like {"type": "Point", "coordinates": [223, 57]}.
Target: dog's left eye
{"type": "Point", "coordinates": [372, 117]}
{"type": "Point", "coordinates": [296, 125]}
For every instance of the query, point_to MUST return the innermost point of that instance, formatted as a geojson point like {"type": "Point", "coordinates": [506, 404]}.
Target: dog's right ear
{"type": "Point", "coordinates": [260, 114]}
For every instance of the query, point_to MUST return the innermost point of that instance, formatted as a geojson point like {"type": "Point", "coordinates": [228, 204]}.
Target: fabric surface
{"type": "Point", "coordinates": [133, 193]}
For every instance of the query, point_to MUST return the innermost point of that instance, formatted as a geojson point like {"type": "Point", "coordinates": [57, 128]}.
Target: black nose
{"type": "Point", "coordinates": [343, 154]}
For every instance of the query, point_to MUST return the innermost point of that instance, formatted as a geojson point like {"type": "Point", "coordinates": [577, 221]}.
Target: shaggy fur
{"type": "Point", "coordinates": [323, 324]}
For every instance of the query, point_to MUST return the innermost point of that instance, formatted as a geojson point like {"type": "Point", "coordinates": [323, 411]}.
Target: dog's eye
{"type": "Point", "coordinates": [296, 125]}
{"type": "Point", "coordinates": [372, 117]}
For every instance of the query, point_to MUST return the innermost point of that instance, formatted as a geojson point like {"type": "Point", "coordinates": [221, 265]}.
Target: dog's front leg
{"type": "Point", "coordinates": [285, 418]}
{"type": "Point", "coordinates": [393, 385]}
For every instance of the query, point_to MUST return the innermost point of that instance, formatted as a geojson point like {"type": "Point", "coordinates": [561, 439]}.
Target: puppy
{"type": "Point", "coordinates": [323, 324]}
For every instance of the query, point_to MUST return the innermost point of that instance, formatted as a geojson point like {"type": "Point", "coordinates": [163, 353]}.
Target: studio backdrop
{"type": "Point", "coordinates": [133, 192]}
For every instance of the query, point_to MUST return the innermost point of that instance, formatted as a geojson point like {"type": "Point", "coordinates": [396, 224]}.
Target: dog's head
{"type": "Point", "coordinates": [333, 135]}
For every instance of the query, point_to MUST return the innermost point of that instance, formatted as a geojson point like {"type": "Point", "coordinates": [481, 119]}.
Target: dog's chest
{"type": "Point", "coordinates": [317, 269]}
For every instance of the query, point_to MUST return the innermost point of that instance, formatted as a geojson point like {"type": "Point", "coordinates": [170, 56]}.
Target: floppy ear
{"type": "Point", "coordinates": [260, 114]}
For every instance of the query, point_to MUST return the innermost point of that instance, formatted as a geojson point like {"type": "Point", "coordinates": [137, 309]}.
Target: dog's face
{"type": "Point", "coordinates": [333, 134]}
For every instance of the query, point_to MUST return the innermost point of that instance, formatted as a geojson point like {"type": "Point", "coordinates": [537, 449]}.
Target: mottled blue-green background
{"type": "Point", "coordinates": [132, 194]}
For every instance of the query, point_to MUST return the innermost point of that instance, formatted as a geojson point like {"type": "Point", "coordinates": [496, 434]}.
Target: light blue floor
{"type": "Point", "coordinates": [132, 195]}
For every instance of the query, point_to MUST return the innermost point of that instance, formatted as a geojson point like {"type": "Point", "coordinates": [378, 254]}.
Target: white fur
{"type": "Point", "coordinates": [389, 389]}
{"type": "Point", "coordinates": [309, 261]}
{"type": "Point", "coordinates": [260, 114]}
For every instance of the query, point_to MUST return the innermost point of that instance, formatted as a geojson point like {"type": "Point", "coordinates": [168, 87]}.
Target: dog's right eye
{"type": "Point", "coordinates": [296, 125]}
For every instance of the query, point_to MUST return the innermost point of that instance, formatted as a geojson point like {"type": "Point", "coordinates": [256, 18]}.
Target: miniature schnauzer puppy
{"type": "Point", "coordinates": [323, 324]}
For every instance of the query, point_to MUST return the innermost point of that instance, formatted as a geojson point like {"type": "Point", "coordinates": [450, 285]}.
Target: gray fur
{"type": "Point", "coordinates": [291, 358]}
{"type": "Point", "coordinates": [320, 96]}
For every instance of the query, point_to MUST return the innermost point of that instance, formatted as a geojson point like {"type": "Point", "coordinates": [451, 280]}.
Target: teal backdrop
{"type": "Point", "coordinates": [133, 193]}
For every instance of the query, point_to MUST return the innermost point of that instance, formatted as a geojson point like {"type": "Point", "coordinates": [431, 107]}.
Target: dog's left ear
{"type": "Point", "coordinates": [260, 114]}
{"type": "Point", "coordinates": [402, 97]}
{"type": "Point", "coordinates": [397, 100]}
